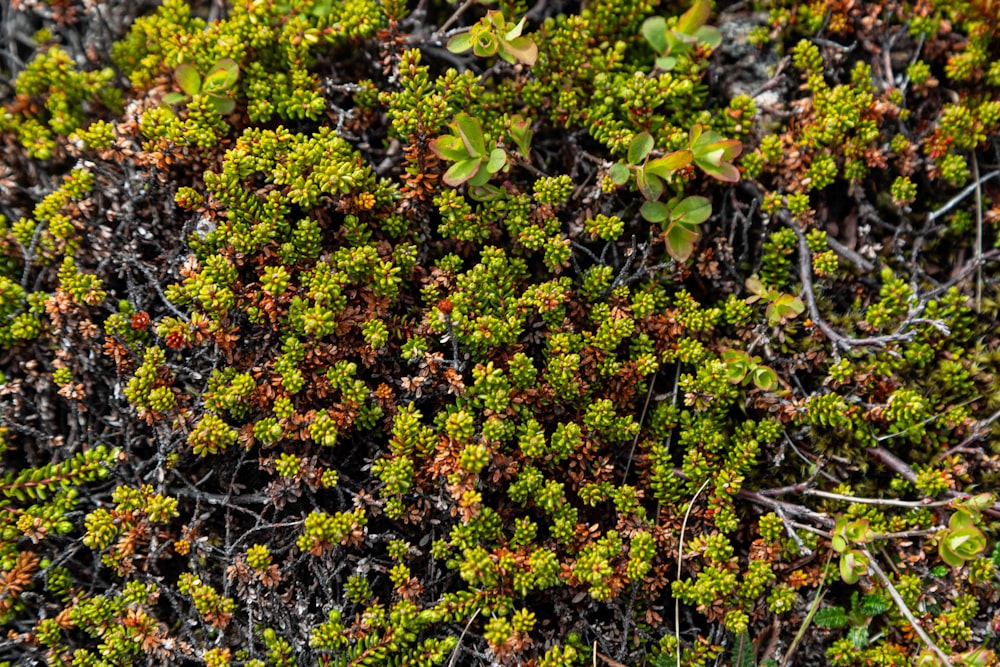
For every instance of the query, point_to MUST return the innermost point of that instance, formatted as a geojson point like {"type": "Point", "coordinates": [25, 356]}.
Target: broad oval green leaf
{"type": "Point", "coordinates": [709, 35]}
{"type": "Point", "coordinates": [680, 241]}
{"type": "Point", "coordinates": [174, 98]}
{"type": "Point", "coordinates": [650, 186]}
{"type": "Point", "coordinates": [619, 173]}
{"type": "Point", "coordinates": [692, 210]}
{"type": "Point", "coordinates": [639, 148]}
{"type": "Point", "coordinates": [666, 63]}
{"type": "Point", "coordinates": [188, 79]}
{"type": "Point", "coordinates": [498, 158]}
{"type": "Point", "coordinates": [654, 211]}
{"type": "Point", "coordinates": [461, 42]}
{"type": "Point", "coordinates": [222, 76]}
{"type": "Point", "coordinates": [654, 29]}
{"type": "Point", "coordinates": [222, 103]}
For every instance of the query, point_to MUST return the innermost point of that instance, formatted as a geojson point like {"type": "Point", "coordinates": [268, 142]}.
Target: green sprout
{"type": "Point", "coordinates": [680, 217]}
{"type": "Point", "coordinates": [689, 31]}
{"type": "Point", "coordinates": [962, 541]}
{"type": "Point", "coordinates": [846, 534]}
{"type": "Point", "coordinates": [466, 147]}
{"type": "Point", "coordinates": [493, 35]}
{"type": "Point", "coordinates": [780, 307]}
{"type": "Point", "coordinates": [740, 366]}
{"type": "Point", "coordinates": [216, 85]}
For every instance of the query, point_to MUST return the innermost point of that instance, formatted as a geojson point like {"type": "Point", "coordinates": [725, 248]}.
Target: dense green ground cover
{"type": "Point", "coordinates": [388, 333]}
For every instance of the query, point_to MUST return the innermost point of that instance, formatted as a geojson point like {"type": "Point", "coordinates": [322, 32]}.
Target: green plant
{"type": "Point", "coordinates": [216, 85]}
{"type": "Point", "coordinates": [962, 540]}
{"type": "Point", "coordinates": [848, 540]}
{"type": "Point", "coordinates": [780, 307]}
{"type": "Point", "coordinates": [466, 146]}
{"type": "Point", "coordinates": [494, 35]}
{"type": "Point", "coordinates": [670, 41]}
{"type": "Point", "coordinates": [679, 217]}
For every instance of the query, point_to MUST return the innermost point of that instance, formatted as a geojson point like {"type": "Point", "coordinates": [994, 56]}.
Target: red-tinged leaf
{"type": "Point", "coordinates": [522, 48]}
{"type": "Point", "coordinates": [639, 148]}
{"type": "Point", "coordinates": [695, 17]}
{"type": "Point", "coordinates": [619, 173]}
{"type": "Point", "coordinates": [765, 378]}
{"type": "Point", "coordinates": [481, 178]}
{"type": "Point", "coordinates": [449, 147]}
{"type": "Point", "coordinates": [789, 306]}
{"type": "Point", "coordinates": [188, 79]}
{"type": "Point", "coordinates": [471, 132]}
{"type": "Point", "coordinates": [655, 211]}
{"type": "Point", "coordinates": [515, 32]}
{"type": "Point", "coordinates": [731, 148]}
{"type": "Point", "coordinates": [702, 142]}
{"type": "Point", "coordinates": [692, 210]}
{"type": "Point", "coordinates": [461, 42]}
{"type": "Point", "coordinates": [223, 76]}
{"type": "Point", "coordinates": [756, 287]}
{"type": "Point", "coordinates": [726, 172]}
{"type": "Point", "coordinates": [654, 29]}
{"type": "Point", "coordinates": [961, 519]}
{"type": "Point", "coordinates": [665, 166]}
{"type": "Point", "coordinates": [485, 45]}
{"type": "Point", "coordinates": [680, 242]}
{"type": "Point", "coordinates": [462, 171]}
